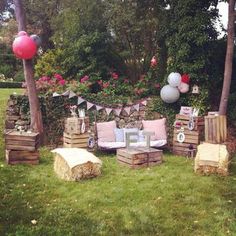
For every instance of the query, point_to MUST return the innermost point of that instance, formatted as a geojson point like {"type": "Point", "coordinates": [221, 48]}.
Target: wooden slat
{"type": "Point", "coordinates": [78, 145]}
{"type": "Point", "coordinates": [75, 136]}
{"type": "Point", "coordinates": [20, 147]}
{"type": "Point", "coordinates": [21, 142]}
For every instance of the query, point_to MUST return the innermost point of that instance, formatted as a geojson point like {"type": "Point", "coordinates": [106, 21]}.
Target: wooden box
{"type": "Point", "coordinates": [22, 157]}
{"type": "Point", "coordinates": [215, 129]}
{"type": "Point", "coordinates": [75, 140]}
{"type": "Point", "coordinates": [192, 137]}
{"type": "Point", "coordinates": [139, 157]}
{"type": "Point", "coordinates": [73, 125]}
{"type": "Point", "coordinates": [16, 140]}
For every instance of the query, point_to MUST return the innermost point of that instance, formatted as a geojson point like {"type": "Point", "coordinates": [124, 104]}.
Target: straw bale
{"type": "Point", "coordinates": [74, 164]}
{"type": "Point", "coordinates": [212, 159]}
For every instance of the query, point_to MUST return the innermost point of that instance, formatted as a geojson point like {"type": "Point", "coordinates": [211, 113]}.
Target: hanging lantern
{"type": "Point", "coordinates": [174, 79]}
{"type": "Point", "coordinates": [169, 94]}
{"type": "Point", "coordinates": [195, 89]}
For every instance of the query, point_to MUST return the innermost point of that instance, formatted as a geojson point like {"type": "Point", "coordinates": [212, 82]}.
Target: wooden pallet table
{"type": "Point", "coordinates": [139, 157]}
{"type": "Point", "coordinates": [14, 157]}
{"type": "Point", "coordinates": [75, 140]}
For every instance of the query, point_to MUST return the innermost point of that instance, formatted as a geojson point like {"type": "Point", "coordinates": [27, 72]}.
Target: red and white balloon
{"type": "Point", "coordinates": [25, 46]}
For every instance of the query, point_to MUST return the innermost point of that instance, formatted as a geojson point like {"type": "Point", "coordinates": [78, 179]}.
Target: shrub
{"type": "Point", "coordinates": [10, 85]}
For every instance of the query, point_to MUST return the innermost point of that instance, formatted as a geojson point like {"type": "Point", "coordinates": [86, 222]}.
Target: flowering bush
{"type": "Point", "coordinates": [46, 85]}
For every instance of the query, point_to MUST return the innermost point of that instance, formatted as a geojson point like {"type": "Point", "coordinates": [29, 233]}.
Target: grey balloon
{"type": "Point", "coordinates": [36, 39]}
{"type": "Point", "coordinates": [169, 94]}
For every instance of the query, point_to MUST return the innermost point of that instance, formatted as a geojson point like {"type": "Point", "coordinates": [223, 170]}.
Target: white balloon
{"type": "Point", "coordinates": [183, 87]}
{"type": "Point", "coordinates": [174, 79]}
{"type": "Point", "coordinates": [169, 94]}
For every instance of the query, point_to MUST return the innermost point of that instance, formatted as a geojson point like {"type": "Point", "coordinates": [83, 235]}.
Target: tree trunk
{"type": "Point", "coordinates": [36, 122]}
{"type": "Point", "coordinates": [228, 60]}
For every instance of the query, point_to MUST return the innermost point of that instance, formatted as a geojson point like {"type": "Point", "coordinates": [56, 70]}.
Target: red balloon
{"type": "Point", "coordinates": [24, 47]}
{"type": "Point", "coordinates": [22, 33]}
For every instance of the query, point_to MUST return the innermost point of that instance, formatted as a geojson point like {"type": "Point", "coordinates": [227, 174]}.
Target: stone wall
{"type": "Point", "coordinates": [17, 114]}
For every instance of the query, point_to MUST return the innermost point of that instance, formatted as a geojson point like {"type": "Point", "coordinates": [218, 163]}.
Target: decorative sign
{"type": "Point", "coordinates": [180, 137]}
{"type": "Point", "coordinates": [186, 111]}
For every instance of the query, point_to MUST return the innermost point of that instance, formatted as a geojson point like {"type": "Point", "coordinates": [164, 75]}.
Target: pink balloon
{"type": "Point", "coordinates": [183, 87]}
{"type": "Point", "coordinates": [24, 47]}
{"type": "Point", "coordinates": [22, 33]}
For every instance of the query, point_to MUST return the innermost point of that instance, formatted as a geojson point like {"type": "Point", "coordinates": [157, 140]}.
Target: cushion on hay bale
{"type": "Point", "coordinates": [74, 164]}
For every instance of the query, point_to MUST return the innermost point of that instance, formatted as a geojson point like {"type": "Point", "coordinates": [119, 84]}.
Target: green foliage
{"type": "Point", "coordinates": [19, 76]}
{"type": "Point", "coordinates": [50, 63]}
{"type": "Point", "coordinates": [232, 109]}
{"type": "Point", "coordinates": [10, 85]}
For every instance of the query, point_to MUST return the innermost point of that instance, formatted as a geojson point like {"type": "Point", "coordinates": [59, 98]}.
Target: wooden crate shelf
{"type": "Point", "coordinates": [75, 140]}
{"type": "Point", "coordinates": [139, 157]}
{"type": "Point", "coordinates": [192, 137]}
{"type": "Point", "coordinates": [22, 157]}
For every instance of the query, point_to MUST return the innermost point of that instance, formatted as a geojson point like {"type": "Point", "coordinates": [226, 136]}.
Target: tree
{"type": "Point", "coordinates": [35, 112]}
{"type": "Point", "coordinates": [228, 59]}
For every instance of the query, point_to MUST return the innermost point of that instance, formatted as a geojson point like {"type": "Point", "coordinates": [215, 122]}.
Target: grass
{"type": "Point", "coordinates": [164, 200]}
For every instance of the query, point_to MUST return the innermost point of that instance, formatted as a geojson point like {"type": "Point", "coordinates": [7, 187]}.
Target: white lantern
{"type": "Point", "coordinates": [174, 79]}
{"type": "Point", "coordinates": [183, 87]}
{"type": "Point", "coordinates": [169, 94]}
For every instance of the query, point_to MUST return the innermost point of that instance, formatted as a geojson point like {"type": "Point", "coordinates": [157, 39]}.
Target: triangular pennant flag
{"type": "Point", "coordinates": [55, 94]}
{"type": "Point", "coordinates": [144, 102]}
{"type": "Point", "coordinates": [98, 108]}
{"type": "Point", "coordinates": [80, 100]}
{"type": "Point", "coordinates": [67, 93]}
{"type": "Point", "coordinates": [127, 109]}
{"type": "Point", "coordinates": [118, 111]}
{"type": "Point", "coordinates": [72, 94]}
{"type": "Point", "coordinates": [136, 107]}
{"type": "Point", "coordinates": [108, 111]}
{"type": "Point", "coordinates": [89, 105]}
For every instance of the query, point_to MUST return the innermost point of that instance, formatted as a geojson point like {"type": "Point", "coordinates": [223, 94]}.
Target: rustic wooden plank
{"type": "Point", "coordinates": [78, 145]}
{"type": "Point", "coordinates": [28, 162]}
{"type": "Point", "coordinates": [206, 129]}
{"type": "Point", "coordinates": [75, 136]}
{"type": "Point", "coordinates": [20, 147]}
{"type": "Point", "coordinates": [12, 118]}
{"type": "Point", "coordinates": [184, 144]}
{"type": "Point", "coordinates": [21, 154]}
{"type": "Point", "coordinates": [21, 142]}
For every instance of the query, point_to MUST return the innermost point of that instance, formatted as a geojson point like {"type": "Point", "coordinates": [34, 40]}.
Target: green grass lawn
{"type": "Point", "coordinates": [164, 200]}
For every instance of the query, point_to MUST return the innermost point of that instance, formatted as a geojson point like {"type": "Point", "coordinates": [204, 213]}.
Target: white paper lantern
{"type": "Point", "coordinates": [174, 79]}
{"type": "Point", "coordinates": [169, 94]}
{"type": "Point", "coordinates": [183, 87]}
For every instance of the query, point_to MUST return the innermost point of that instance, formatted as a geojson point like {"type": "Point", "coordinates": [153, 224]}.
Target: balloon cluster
{"type": "Point", "coordinates": [177, 84]}
{"type": "Point", "coordinates": [25, 46]}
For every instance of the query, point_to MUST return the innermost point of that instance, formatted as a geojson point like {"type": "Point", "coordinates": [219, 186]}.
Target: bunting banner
{"type": "Point", "coordinates": [89, 105]}
{"type": "Point", "coordinates": [72, 94]}
{"type": "Point", "coordinates": [118, 111]}
{"type": "Point", "coordinates": [66, 93]}
{"type": "Point", "coordinates": [56, 94]}
{"type": "Point", "coordinates": [108, 110]}
{"type": "Point", "coordinates": [127, 110]}
{"type": "Point", "coordinates": [144, 102]}
{"type": "Point", "coordinates": [98, 108]}
{"type": "Point", "coordinates": [80, 100]}
{"type": "Point", "coordinates": [136, 107]}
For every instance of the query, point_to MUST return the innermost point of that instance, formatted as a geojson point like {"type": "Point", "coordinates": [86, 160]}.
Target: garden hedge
{"type": "Point", "coordinates": [10, 85]}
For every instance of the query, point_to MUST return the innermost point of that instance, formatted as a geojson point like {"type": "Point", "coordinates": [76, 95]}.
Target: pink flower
{"type": "Point", "coordinates": [105, 85]}
{"type": "Point", "coordinates": [100, 82]}
{"type": "Point", "coordinates": [126, 81]}
{"type": "Point", "coordinates": [153, 61]}
{"type": "Point", "coordinates": [44, 79]}
{"type": "Point", "coordinates": [114, 75]}
{"type": "Point", "coordinates": [62, 82]}
{"type": "Point", "coordinates": [84, 79]}
{"type": "Point", "coordinates": [157, 86]}
{"type": "Point", "coordinates": [58, 77]}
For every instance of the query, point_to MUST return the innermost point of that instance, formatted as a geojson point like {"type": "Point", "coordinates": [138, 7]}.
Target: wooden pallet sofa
{"type": "Point", "coordinates": [111, 137]}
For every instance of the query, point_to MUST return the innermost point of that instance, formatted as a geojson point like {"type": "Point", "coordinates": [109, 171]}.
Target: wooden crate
{"type": "Point", "coordinates": [73, 125]}
{"type": "Point", "coordinates": [215, 129]}
{"type": "Point", "coordinates": [139, 157]}
{"type": "Point", "coordinates": [16, 140]}
{"type": "Point", "coordinates": [192, 137]}
{"type": "Point", "coordinates": [22, 157]}
{"type": "Point", "coordinates": [75, 140]}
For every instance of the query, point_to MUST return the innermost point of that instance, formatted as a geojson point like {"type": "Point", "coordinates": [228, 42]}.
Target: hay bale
{"type": "Point", "coordinates": [74, 164]}
{"type": "Point", "coordinates": [212, 159]}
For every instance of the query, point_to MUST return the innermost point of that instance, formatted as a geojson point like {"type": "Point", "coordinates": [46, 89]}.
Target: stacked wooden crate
{"type": "Point", "coordinates": [139, 157]}
{"type": "Point", "coordinates": [192, 137]}
{"type": "Point", "coordinates": [22, 147]}
{"type": "Point", "coordinates": [73, 137]}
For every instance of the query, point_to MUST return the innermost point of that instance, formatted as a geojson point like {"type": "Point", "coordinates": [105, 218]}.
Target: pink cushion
{"type": "Point", "coordinates": [105, 131]}
{"type": "Point", "coordinates": [156, 126]}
